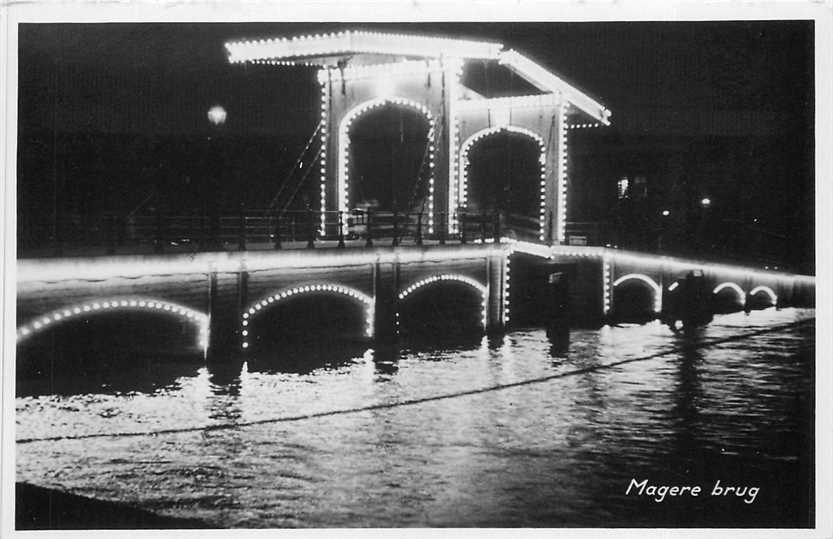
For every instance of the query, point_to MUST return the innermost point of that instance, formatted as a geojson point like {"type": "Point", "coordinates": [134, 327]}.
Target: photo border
{"type": "Point", "coordinates": [820, 12]}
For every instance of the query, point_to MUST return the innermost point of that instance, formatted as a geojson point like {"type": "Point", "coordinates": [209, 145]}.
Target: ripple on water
{"type": "Point", "coordinates": [559, 452]}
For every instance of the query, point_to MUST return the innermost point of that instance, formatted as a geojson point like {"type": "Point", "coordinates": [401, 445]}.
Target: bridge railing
{"type": "Point", "coordinates": [257, 229]}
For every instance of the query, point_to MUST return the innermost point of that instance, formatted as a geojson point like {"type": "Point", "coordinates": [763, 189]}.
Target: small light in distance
{"type": "Point", "coordinates": [666, 213]}
{"type": "Point", "coordinates": [706, 202]}
{"type": "Point", "coordinates": [217, 115]}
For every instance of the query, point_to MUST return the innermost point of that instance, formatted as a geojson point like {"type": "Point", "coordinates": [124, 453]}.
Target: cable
{"type": "Point", "coordinates": [303, 180]}
{"type": "Point", "coordinates": [422, 400]}
{"type": "Point", "coordinates": [298, 161]}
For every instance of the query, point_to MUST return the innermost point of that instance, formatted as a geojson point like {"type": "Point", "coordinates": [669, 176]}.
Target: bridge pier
{"type": "Point", "coordinates": [586, 293]}
{"type": "Point", "coordinates": [227, 297]}
{"type": "Point", "coordinates": [496, 275]}
{"type": "Point", "coordinates": [385, 289]}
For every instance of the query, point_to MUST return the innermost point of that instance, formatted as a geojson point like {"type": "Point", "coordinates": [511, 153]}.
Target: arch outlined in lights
{"type": "Point", "coordinates": [254, 308]}
{"type": "Point", "coordinates": [462, 181]}
{"type": "Point", "coordinates": [768, 291]}
{"type": "Point", "coordinates": [484, 292]}
{"type": "Point", "coordinates": [128, 303]}
{"type": "Point", "coordinates": [732, 286]}
{"type": "Point", "coordinates": [645, 279]}
{"type": "Point", "coordinates": [343, 165]}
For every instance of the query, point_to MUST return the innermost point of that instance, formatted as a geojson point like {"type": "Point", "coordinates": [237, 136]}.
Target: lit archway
{"type": "Point", "coordinates": [480, 288]}
{"type": "Point", "coordinates": [656, 288]}
{"type": "Point", "coordinates": [464, 165]}
{"type": "Point", "coordinates": [264, 303]}
{"type": "Point", "coordinates": [728, 297]}
{"type": "Point", "coordinates": [117, 304]}
{"type": "Point", "coordinates": [343, 165]}
{"type": "Point", "coordinates": [741, 295]}
{"type": "Point", "coordinates": [773, 297]}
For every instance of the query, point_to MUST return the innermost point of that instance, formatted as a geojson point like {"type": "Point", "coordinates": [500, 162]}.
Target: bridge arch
{"type": "Point", "coordinates": [343, 165]}
{"type": "Point", "coordinates": [655, 287]}
{"type": "Point", "coordinates": [480, 288]}
{"type": "Point", "coordinates": [115, 304]}
{"type": "Point", "coordinates": [464, 165]}
{"type": "Point", "coordinates": [256, 307]}
{"type": "Point", "coordinates": [773, 297]}
{"type": "Point", "coordinates": [732, 286]}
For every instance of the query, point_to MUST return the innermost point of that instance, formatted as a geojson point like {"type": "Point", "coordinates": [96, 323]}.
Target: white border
{"type": "Point", "coordinates": [425, 11]}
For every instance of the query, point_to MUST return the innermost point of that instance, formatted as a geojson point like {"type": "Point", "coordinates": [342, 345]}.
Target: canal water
{"type": "Point", "coordinates": [511, 431]}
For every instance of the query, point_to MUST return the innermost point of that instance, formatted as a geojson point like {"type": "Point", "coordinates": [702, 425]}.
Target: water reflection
{"type": "Point", "coordinates": [305, 357]}
{"type": "Point", "coordinates": [551, 453]}
{"type": "Point", "coordinates": [223, 404]}
{"type": "Point", "coordinates": [56, 373]}
{"type": "Point", "coordinates": [559, 337]}
{"type": "Point", "coordinates": [386, 360]}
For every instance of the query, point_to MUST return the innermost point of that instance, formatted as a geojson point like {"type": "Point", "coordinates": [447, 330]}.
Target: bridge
{"type": "Point", "coordinates": [381, 252]}
{"type": "Point", "coordinates": [222, 295]}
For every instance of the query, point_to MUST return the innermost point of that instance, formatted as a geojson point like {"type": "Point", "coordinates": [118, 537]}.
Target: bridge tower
{"type": "Point", "coordinates": [361, 71]}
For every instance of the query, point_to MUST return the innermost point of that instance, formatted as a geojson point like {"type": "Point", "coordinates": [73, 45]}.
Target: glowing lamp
{"type": "Point", "coordinates": [217, 115]}
{"type": "Point", "coordinates": [666, 213]}
{"type": "Point", "coordinates": [706, 202]}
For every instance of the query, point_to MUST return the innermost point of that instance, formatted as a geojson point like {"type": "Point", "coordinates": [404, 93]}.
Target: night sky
{"type": "Point", "coordinates": [728, 96]}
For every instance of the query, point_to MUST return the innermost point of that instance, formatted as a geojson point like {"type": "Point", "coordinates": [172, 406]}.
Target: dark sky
{"type": "Point", "coordinates": [690, 78]}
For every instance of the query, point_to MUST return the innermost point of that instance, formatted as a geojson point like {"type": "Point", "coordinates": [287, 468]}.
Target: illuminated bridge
{"type": "Point", "coordinates": [379, 248]}
{"type": "Point", "coordinates": [222, 295]}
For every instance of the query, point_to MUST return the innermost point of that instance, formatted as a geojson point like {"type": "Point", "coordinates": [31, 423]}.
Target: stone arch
{"type": "Point", "coordinates": [480, 288]}
{"type": "Point", "coordinates": [654, 286]}
{"type": "Point", "coordinates": [256, 307]}
{"type": "Point", "coordinates": [773, 297]}
{"type": "Point", "coordinates": [732, 286]}
{"type": "Point", "coordinates": [115, 304]}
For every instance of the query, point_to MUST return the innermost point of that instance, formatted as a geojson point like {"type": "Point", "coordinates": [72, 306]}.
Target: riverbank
{"type": "Point", "coordinates": [39, 508]}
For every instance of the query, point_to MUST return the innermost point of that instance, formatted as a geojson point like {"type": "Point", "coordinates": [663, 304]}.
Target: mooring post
{"type": "Point", "coordinates": [558, 302]}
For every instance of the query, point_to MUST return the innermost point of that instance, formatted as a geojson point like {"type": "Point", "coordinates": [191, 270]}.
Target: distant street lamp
{"type": "Point", "coordinates": [706, 202]}
{"type": "Point", "coordinates": [666, 213]}
{"type": "Point", "coordinates": [213, 173]}
{"type": "Point", "coordinates": [217, 115]}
